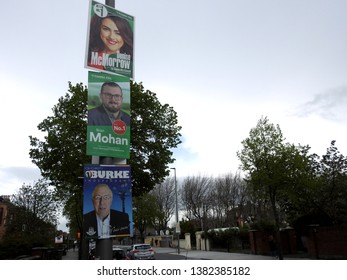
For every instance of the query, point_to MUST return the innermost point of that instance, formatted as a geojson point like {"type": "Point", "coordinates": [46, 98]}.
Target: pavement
{"type": "Point", "coordinates": [198, 255]}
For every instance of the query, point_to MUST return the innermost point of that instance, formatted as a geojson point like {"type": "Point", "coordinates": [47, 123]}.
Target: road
{"type": "Point", "coordinates": [163, 253]}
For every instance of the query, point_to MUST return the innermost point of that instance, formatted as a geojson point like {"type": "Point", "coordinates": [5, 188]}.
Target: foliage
{"type": "Point", "coordinates": [275, 169]}
{"type": "Point", "coordinates": [227, 237]}
{"type": "Point", "coordinates": [154, 133]}
{"type": "Point", "coordinates": [37, 202]}
{"type": "Point", "coordinates": [321, 194]}
{"type": "Point", "coordinates": [188, 226]}
{"type": "Point", "coordinates": [34, 212]}
{"type": "Point", "coordinates": [333, 185]}
{"type": "Point", "coordinates": [62, 153]}
{"type": "Point", "coordinates": [264, 225]}
{"type": "Point", "coordinates": [145, 212]}
{"type": "Point", "coordinates": [261, 157]}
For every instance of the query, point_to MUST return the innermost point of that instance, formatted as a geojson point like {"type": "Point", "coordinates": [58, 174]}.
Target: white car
{"type": "Point", "coordinates": [141, 252]}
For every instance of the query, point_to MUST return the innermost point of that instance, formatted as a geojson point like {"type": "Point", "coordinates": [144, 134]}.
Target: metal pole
{"type": "Point", "coordinates": [110, 3]}
{"type": "Point", "coordinates": [104, 246]}
{"type": "Point", "coordinates": [177, 233]}
{"type": "Point", "coordinates": [205, 233]}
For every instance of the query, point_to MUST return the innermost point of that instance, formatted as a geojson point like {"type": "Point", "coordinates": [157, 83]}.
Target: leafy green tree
{"type": "Point", "coordinates": [154, 133]}
{"type": "Point", "coordinates": [261, 152]}
{"type": "Point", "coordinates": [332, 192]}
{"type": "Point", "coordinates": [274, 168]}
{"type": "Point", "coordinates": [62, 153]}
{"type": "Point", "coordinates": [319, 193]}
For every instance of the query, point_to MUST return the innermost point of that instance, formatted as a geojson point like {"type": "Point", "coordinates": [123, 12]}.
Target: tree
{"type": "Point", "coordinates": [194, 195]}
{"type": "Point", "coordinates": [333, 185]}
{"type": "Point", "coordinates": [34, 213]}
{"type": "Point", "coordinates": [164, 194]}
{"type": "Point", "coordinates": [39, 202]}
{"type": "Point", "coordinates": [145, 213]}
{"type": "Point", "coordinates": [62, 153]}
{"type": "Point", "coordinates": [227, 195]}
{"type": "Point", "coordinates": [155, 132]}
{"type": "Point", "coordinates": [273, 167]}
{"type": "Point", "coordinates": [319, 196]}
{"type": "Point", "coordinates": [261, 152]}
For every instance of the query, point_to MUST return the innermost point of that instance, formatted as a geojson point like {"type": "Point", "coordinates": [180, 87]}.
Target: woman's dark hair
{"type": "Point", "coordinates": [95, 42]}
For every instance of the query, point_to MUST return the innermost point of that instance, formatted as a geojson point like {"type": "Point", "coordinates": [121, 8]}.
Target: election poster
{"type": "Point", "coordinates": [108, 128]}
{"type": "Point", "coordinates": [110, 40]}
{"type": "Point", "coordinates": [107, 202]}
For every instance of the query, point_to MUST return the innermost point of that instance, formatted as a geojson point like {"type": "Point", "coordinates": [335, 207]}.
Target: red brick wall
{"type": "Point", "coordinates": [327, 242]}
{"type": "Point", "coordinates": [3, 211]}
{"type": "Point", "coordinates": [260, 245]}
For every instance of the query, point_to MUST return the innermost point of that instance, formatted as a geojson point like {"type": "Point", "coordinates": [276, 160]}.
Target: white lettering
{"type": "Point", "coordinates": [121, 61]}
{"type": "Point", "coordinates": [108, 139]}
{"type": "Point", "coordinates": [108, 174]}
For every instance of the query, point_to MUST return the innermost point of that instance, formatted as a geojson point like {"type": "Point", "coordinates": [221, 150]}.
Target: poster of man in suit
{"type": "Point", "coordinates": [108, 129]}
{"type": "Point", "coordinates": [107, 207]}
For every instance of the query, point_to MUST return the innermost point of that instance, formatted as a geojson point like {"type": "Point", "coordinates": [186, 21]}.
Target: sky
{"type": "Point", "coordinates": [222, 65]}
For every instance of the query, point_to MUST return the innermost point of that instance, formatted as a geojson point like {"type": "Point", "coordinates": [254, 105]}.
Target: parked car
{"type": "Point", "coordinates": [141, 252]}
{"type": "Point", "coordinates": [117, 254]}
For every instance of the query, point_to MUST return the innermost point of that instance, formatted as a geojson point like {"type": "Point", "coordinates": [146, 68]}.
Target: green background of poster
{"type": "Point", "coordinates": [110, 69]}
{"type": "Point", "coordinates": [103, 148]}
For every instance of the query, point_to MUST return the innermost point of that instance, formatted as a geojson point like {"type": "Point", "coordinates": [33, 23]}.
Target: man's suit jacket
{"type": "Point", "coordinates": [98, 116]}
{"type": "Point", "coordinates": [119, 224]}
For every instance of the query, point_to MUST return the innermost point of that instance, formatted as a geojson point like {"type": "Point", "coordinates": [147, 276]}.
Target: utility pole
{"type": "Point", "coordinates": [104, 246]}
{"type": "Point", "coordinates": [110, 3]}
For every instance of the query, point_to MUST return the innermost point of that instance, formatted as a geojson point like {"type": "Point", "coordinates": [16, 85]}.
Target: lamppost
{"type": "Point", "coordinates": [177, 223]}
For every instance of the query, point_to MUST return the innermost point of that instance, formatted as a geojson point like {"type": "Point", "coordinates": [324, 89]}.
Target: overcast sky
{"type": "Point", "coordinates": [221, 64]}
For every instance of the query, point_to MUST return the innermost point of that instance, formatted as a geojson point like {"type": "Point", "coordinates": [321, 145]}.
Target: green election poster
{"type": "Point", "coordinates": [108, 129]}
{"type": "Point", "coordinates": [110, 40]}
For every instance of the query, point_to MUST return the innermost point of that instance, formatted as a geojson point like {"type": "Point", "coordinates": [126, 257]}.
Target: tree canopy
{"type": "Point", "coordinates": [61, 155]}
{"type": "Point", "coordinates": [38, 200]}
{"type": "Point", "coordinates": [146, 213]}
{"type": "Point", "coordinates": [272, 167]}
{"type": "Point", "coordinates": [154, 133]}
{"type": "Point", "coordinates": [33, 213]}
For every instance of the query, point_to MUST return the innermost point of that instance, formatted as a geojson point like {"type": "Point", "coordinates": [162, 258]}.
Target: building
{"type": "Point", "coordinates": [4, 214]}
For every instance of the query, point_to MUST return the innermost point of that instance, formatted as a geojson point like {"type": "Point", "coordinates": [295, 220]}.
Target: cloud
{"type": "Point", "coordinates": [13, 177]}
{"type": "Point", "coordinates": [330, 105]}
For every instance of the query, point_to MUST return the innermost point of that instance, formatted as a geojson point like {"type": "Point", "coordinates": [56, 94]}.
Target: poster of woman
{"type": "Point", "coordinates": [110, 40]}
